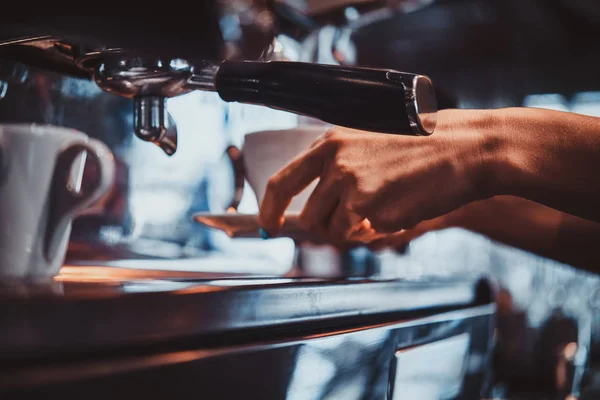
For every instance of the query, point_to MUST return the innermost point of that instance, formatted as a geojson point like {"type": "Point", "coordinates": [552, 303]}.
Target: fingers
{"type": "Point", "coordinates": [320, 206]}
{"type": "Point", "coordinates": [401, 239]}
{"type": "Point", "coordinates": [398, 241]}
{"type": "Point", "coordinates": [345, 222]}
{"type": "Point", "coordinates": [390, 215]}
{"type": "Point", "coordinates": [318, 141]}
{"type": "Point", "coordinates": [288, 182]}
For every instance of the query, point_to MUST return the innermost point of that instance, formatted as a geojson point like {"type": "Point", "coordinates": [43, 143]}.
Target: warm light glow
{"type": "Point", "coordinates": [89, 274]}
{"type": "Point", "coordinates": [570, 351]}
{"type": "Point", "coordinates": [118, 275]}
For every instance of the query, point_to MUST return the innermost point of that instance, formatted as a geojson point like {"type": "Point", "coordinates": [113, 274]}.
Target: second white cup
{"type": "Point", "coordinates": [264, 153]}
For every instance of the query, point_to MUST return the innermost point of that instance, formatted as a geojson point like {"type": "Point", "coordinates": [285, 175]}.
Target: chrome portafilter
{"type": "Point", "coordinates": [149, 82]}
{"type": "Point", "coordinates": [377, 100]}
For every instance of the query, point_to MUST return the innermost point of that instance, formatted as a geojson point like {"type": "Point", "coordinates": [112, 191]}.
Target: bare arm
{"type": "Point", "coordinates": [519, 223]}
{"type": "Point", "coordinates": [389, 183]}
{"type": "Point", "coordinates": [550, 157]}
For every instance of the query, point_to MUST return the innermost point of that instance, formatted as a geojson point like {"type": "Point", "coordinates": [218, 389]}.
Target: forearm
{"type": "Point", "coordinates": [550, 157]}
{"type": "Point", "coordinates": [510, 220]}
{"type": "Point", "coordinates": [532, 227]}
{"type": "Point", "coordinates": [576, 243]}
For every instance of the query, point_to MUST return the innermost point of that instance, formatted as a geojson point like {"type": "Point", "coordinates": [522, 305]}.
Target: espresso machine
{"type": "Point", "coordinates": [148, 304]}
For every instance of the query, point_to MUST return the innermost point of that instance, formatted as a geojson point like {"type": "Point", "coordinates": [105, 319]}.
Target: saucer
{"type": "Point", "coordinates": [237, 225]}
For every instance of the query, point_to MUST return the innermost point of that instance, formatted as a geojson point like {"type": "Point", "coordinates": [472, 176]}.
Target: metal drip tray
{"type": "Point", "coordinates": [88, 308]}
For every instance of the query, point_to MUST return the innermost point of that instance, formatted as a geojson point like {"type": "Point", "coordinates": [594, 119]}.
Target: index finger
{"type": "Point", "coordinates": [287, 183]}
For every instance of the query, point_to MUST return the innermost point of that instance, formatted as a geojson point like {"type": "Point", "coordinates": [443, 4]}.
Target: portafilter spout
{"type": "Point", "coordinates": [150, 120]}
{"type": "Point", "coordinates": [149, 82]}
{"type": "Point", "coordinates": [376, 100]}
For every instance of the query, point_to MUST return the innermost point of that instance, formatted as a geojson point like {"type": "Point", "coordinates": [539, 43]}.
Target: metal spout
{"type": "Point", "coordinates": [151, 123]}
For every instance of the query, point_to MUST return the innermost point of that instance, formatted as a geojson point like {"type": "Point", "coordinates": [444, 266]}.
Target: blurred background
{"type": "Point", "coordinates": [479, 53]}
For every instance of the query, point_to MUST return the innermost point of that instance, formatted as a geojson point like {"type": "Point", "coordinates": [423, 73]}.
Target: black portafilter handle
{"type": "Point", "coordinates": [376, 100]}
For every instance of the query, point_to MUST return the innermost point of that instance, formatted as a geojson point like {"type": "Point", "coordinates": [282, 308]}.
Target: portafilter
{"type": "Point", "coordinates": [378, 100]}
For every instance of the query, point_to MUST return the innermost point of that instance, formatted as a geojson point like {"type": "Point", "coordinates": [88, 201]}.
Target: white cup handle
{"type": "Point", "coordinates": [64, 203]}
{"type": "Point", "coordinates": [237, 162]}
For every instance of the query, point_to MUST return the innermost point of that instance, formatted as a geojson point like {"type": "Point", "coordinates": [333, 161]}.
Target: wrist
{"type": "Point", "coordinates": [480, 144]}
{"type": "Point", "coordinates": [518, 158]}
{"type": "Point", "coordinates": [497, 149]}
{"type": "Point", "coordinates": [504, 150]}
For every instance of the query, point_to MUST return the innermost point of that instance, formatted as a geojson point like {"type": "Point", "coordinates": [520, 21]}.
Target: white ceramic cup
{"type": "Point", "coordinates": [264, 153]}
{"type": "Point", "coordinates": [37, 197]}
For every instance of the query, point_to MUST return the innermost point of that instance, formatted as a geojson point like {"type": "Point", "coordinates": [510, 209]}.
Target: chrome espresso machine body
{"type": "Point", "coordinates": [124, 317]}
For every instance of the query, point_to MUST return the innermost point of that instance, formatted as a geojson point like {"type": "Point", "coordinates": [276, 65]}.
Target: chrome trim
{"type": "Point", "coordinates": [56, 373]}
{"type": "Point", "coordinates": [422, 123]}
{"type": "Point", "coordinates": [203, 77]}
{"type": "Point", "coordinates": [205, 308]}
{"type": "Point", "coordinates": [36, 41]}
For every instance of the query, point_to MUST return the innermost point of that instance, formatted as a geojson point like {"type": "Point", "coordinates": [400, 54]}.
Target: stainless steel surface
{"type": "Point", "coordinates": [94, 308]}
{"type": "Point", "coordinates": [203, 77]}
{"type": "Point", "coordinates": [547, 323]}
{"type": "Point", "coordinates": [431, 371]}
{"type": "Point", "coordinates": [339, 362]}
{"type": "Point", "coordinates": [149, 82]}
{"type": "Point", "coordinates": [130, 75]}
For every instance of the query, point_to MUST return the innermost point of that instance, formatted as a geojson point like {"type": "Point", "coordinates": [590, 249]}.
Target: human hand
{"type": "Point", "coordinates": [382, 183]}
{"type": "Point", "coordinates": [399, 241]}
{"type": "Point", "coordinates": [510, 220]}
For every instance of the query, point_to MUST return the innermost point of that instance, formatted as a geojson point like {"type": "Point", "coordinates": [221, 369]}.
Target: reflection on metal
{"type": "Point", "coordinates": [151, 123]}
{"type": "Point", "coordinates": [421, 100]}
{"type": "Point", "coordinates": [149, 82]}
{"type": "Point", "coordinates": [543, 305]}
{"type": "Point", "coordinates": [434, 371]}
{"type": "Point", "coordinates": [194, 305]}
{"type": "Point", "coordinates": [569, 351]}
{"type": "Point", "coordinates": [3, 89]}
{"type": "Point", "coordinates": [312, 372]}
{"type": "Point", "coordinates": [294, 366]}
{"type": "Point", "coordinates": [13, 73]}
{"type": "Point", "coordinates": [320, 364]}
